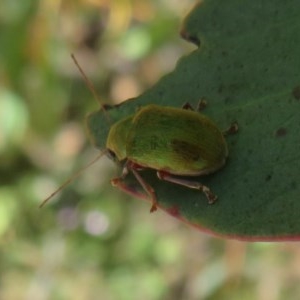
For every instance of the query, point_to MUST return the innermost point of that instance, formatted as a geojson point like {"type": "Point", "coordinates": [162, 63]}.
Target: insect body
{"type": "Point", "coordinates": [172, 141]}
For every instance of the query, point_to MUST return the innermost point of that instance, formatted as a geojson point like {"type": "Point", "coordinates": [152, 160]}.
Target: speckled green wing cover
{"type": "Point", "coordinates": [247, 66]}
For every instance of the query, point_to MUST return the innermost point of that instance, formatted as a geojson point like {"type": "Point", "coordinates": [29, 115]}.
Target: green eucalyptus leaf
{"type": "Point", "coordinates": [247, 66]}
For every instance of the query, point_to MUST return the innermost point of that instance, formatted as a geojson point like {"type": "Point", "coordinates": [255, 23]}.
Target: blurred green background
{"type": "Point", "coordinates": [93, 242]}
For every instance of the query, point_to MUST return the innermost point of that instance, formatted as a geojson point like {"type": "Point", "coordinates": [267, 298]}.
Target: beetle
{"type": "Point", "coordinates": [173, 141]}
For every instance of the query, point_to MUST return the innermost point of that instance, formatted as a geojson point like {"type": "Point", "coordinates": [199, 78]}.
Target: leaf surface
{"type": "Point", "coordinates": [247, 66]}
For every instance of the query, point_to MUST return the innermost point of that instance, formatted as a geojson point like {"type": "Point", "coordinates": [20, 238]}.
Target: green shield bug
{"type": "Point", "coordinates": [173, 141]}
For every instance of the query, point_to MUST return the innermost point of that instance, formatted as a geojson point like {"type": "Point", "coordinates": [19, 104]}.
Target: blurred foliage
{"type": "Point", "coordinates": [93, 242]}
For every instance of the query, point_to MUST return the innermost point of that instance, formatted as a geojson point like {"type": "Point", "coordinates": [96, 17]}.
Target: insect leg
{"type": "Point", "coordinates": [187, 105]}
{"type": "Point", "coordinates": [147, 188]}
{"type": "Point", "coordinates": [201, 105]}
{"type": "Point", "coordinates": [116, 181]}
{"type": "Point", "coordinates": [232, 129]}
{"type": "Point", "coordinates": [190, 184]}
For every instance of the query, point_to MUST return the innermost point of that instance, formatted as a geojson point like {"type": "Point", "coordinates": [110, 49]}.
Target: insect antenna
{"type": "Point", "coordinates": [91, 87]}
{"type": "Point", "coordinates": [74, 176]}
{"type": "Point", "coordinates": [80, 171]}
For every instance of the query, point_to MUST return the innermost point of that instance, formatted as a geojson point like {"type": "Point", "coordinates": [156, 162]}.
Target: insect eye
{"type": "Point", "coordinates": [111, 155]}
